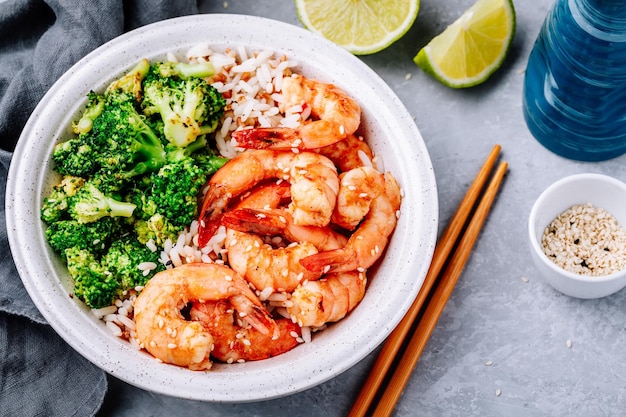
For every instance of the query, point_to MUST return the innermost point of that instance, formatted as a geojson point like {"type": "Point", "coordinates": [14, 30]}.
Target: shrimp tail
{"type": "Point", "coordinates": [266, 138]}
{"type": "Point", "coordinates": [329, 261]}
{"type": "Point", "coordinates": [312, 135]}
{"type": "Point", "coordinates": [254, 221]}
{"type": "Point", "coordinates": [211, 212]}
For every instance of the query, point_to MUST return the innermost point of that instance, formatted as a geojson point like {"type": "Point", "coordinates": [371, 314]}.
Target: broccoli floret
{"type": "Point", "coordinates": [95, 104]}
{"type": "Point", "coordinates": [131, 82]}
{"type": "Point", "coordinates": [123, 259]}
{"type": "Point", "coordinates": [156, 228]}
{"type": "Point", "coordinates": [189, 107]}
{"type": "Point", "coordinates": [56, 204]}
{"type": "Point", "coordinates": [127, 143]}
{"type": "Point", "coordinates": [76, 157]}
{"type": "Point", "coordinates": [93, 283]}
{"type": "Point", "coordinates": [90, 204]}
{"type": "Point", "coordinates": [120, 141]}
{"type": "Point", "coordinates": [181, 70]}
{"type": "Point", "coordinates": [175, 191]}
{"type": "Point", "coordinates": [96, 236]}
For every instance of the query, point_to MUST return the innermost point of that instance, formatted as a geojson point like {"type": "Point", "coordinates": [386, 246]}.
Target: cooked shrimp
{"type": "Point", "coordinates": [368, 241]}
{"type": "Point", "coordinates": [352, 152]}
{"type": "Point", "coordinates": [161, 327]}
{"type": "Point", "coordinates": [235, 341]}
{"type": "Point", "coordinates": [357, 189]}
{"type": "Point", "coordinates": [315, 303]}
{"type": "Point", "coordinates": [266, 267]}
{"type": "Point", "coordinates": [337, 116]}
{"type": "Point", "coordinates": [313, 178]}
{"type": "Point", "coordinates": [278, 222]}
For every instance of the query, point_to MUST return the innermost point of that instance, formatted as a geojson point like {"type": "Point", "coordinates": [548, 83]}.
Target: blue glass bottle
{"type": "Point", "coordinates": [575, 81]}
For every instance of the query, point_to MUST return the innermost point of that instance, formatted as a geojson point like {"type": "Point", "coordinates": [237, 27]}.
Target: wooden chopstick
{"type": "Point", "coordinates": [446, 244]}
{"type": "Point", "coordinates": [438, 301]}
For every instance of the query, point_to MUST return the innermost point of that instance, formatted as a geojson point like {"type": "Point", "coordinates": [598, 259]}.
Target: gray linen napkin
{"type": "Point", "coordinates": [40, 375]}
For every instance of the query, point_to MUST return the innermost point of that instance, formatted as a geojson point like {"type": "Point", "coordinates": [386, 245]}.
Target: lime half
{"type": "Point", "coordinates": [468, 51]}
{"type": "Point", "coordinates": [360, 26]}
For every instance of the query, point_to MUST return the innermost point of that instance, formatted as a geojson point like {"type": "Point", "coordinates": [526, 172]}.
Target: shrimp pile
{"type": "Point", "coordinates": [305, 213]}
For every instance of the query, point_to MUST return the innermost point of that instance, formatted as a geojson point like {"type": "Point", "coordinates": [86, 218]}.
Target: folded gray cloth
{"type": "Point", "coordinates": [40, 375]}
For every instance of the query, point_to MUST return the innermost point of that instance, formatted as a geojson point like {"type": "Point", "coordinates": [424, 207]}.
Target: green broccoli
{"type": "Point", "coordinates": [120, 141]}
{"type": "Point", "coordinates": [175, 191]}
{"type": "Point", "coordinates": [126, 142]}
{"type": "Point", "coordinates": [95, 104]}
{"type": "Point", "coordinates": [93, 283]}
{"type": "Point", "coordinates": [131, 174]}
{"type": "Point", "coordinates": [95, 236]}
{"type": "Point", "coordinates": [131, 82]}
{"type": "Point", "coordinates": [182, 70]}
{"type": "Point", "coordinates": [189, 107]}
{"type": "Point", "coordinates": [76, 157]}
{"type": "Point", "coordinates": [90, 204]}
{"type": "Point", "coordinates": [56, 204]}
{"type": "Point", "coordinates": [123, 259]}
{"type": "Point", "coordinates": [156, 228]}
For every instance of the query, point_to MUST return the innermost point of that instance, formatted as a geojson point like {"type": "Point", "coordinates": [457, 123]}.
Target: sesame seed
{"type": "Point", "coordinates": [488, 363]}
{"type": "Point", "coordinates": [568, 343]}
{"type": "Point", "coordinates": [524, 279]}
{"type": "Point", "coordinates": [498, 392]}
{"type": "Point", "coordinates": [228, 278]}
{"type": "Point", "coordinates": [172, 346]}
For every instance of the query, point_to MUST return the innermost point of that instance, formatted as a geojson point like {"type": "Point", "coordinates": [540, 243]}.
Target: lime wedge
{"type": "Point", "coordinates": [468, 51]}
{"type": "Point", "coordinates": [360, 26]}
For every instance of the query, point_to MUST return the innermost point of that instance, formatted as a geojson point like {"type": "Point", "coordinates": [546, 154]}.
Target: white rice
{"type": "Point", "coordinates": [251, 84]}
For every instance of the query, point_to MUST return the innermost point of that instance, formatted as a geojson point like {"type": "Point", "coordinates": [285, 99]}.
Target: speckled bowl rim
{"type": "Point", "coordinates": [396, 281]}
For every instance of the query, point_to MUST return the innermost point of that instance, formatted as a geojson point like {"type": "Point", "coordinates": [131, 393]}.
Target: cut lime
{"type": "Point", "coordinates": [468, 51]}
{"type": "Point", "coordinates": [360, 26]}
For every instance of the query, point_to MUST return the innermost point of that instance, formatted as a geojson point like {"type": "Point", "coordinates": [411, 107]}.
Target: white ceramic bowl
{"type": "Point", "coordinates": [390, 130]}
{"type": "Point", "coordinates": [601, 191]}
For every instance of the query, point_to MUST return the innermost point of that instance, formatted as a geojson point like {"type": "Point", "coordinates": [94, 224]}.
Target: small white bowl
{"type": "Point", "coordinates": [601, 191]}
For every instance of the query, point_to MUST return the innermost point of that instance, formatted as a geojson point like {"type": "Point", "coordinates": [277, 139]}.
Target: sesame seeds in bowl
{"type": "Point", "coordinates": [577, 235]}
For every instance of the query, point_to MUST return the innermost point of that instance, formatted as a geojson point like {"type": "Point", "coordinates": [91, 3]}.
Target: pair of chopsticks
{"type": "Point", "coordinates": [451, 252]}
